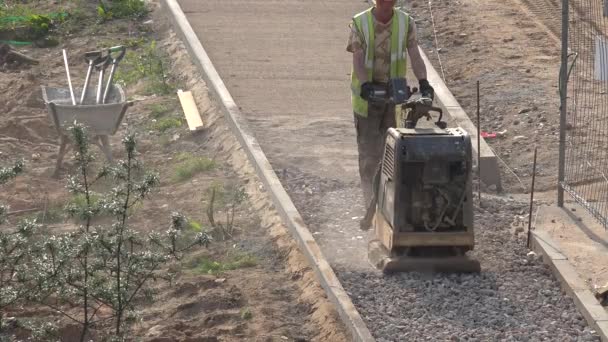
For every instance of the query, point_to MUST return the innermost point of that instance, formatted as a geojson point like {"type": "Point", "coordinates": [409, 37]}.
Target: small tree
{"type": "Point", "coordinates": [14, 249]}
{"type": "Point", "coordinates": [109, 266]}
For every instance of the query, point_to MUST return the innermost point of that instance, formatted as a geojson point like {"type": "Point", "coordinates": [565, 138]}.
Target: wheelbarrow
{"type": "Point", "coordinates": [100, 120]}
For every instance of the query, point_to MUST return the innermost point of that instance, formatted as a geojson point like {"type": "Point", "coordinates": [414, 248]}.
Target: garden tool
{"type": "Point", "coordinates": [101, 66]}
{"type": "Point", "coordinates": [121, 50]}
{"type": "Point", "coordinates": [92, 58]}
{"type": "Point", "coordinates": [67, 70]}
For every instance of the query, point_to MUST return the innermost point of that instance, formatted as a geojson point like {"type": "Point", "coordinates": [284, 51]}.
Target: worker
{"type": "Point", "coordinates": [378, 40]}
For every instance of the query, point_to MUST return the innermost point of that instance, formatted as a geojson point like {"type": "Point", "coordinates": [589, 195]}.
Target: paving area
{"type": "Point", "coordinates": [294, 92]}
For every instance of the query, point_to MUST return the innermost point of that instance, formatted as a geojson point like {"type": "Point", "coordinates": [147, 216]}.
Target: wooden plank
{"type": "Point", "coordinates": [190, 110]}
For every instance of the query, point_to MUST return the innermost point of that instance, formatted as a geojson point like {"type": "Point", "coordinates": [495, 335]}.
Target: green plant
{"type": "Point", "coordinates": [147, 65]}
{"type": "Point", "coordinates": [192, 166]}
{"type": "Point", "coordinates": [246, 314]}
{"type": "Point", "coordinates": [205, 265]}
{"type": "Point", "coordinates": [231, 200]}
{"type": "Point", "coordinates": [107, 265]}
{"type": "Point", "coordinates": [164, 124]}
{"type": "Point", "coordinates": [14, 248]}
{"type": "Point", "coordinates": [116, 9]}
{"type": "Point", "coordinates": [23, 17]}
{"type": "Point", "coordinates": [157, 110]}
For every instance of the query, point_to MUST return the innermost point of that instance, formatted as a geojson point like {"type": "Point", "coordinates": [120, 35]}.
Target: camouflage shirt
{"type": "Point", "coordinates": [382, 42]}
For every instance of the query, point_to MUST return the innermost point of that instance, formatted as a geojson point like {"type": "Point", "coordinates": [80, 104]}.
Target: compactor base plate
{"type": "Point", "coordinates": [380, 258]}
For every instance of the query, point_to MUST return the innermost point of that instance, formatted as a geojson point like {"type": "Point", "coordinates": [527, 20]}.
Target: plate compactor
{"type": "Point", "coordinates": [423, 219]}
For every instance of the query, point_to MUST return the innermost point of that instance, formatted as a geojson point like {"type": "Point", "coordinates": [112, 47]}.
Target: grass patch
{"type": "Point", "coordinates": [204, 265]}
{"type": "Point", "coordinates": [129, 43]}
{"type": "Point", "coordinates": [28, 24]}
{"type": "Point", "coordinates": [191, 166]}
{"type": "Point", "coordinates": [147, 64]}
{"type": "Point", "coordinates": [164, 124]}
{"type": "Point", "coordinates": [157, 110]}
{"type": "Point", "coordinates": [246, 314]}
{"type": "Point", "coordinates": [53, 215]}
{"type": "Point", "coordinates": [80, 200]}
{"type": "Point", "coordinates": [117, 9]}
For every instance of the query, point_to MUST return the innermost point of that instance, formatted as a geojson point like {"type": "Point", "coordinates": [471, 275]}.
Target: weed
{"type": "Point", "coordinates": [31, 25]}
{"type": "Point", "coordinates": [195, 226]}
{"type": "Point", "coordinates": [53, 214]}
{"type": "Point", "coordinates": [165, 124]}
{"type": "Point", "coordinates": [246, 314]}
{"type": "Point", "coordinates": [192, 166]}
{"type": "Point", "coordinates": [164, 140]}
{"type": "Point", "coordinates": [131, 43]}
{"type": "Point", "coordinates": [147, 65]}
{"type": "Point", "coordinates": [157, 110]}
{"type": "Point", "coordinates": [135, 9]}
{"type": "Point", "coordinates": [205, 265]}
{"type": "Point", "coordinates": [228, 200]}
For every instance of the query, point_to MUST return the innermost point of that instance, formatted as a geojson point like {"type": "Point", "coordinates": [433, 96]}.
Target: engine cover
{"type": "Point", "coordinates": [425, 183]}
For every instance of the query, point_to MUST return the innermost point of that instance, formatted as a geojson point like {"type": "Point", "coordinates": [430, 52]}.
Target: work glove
{"type": "Point", "coordinates": [425, 89]}
{"type": "Point", "coordinates": [366, 90]}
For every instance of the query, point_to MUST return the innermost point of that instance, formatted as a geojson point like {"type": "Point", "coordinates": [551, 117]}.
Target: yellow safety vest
{"type": "Point", "coordinates": [364, 23]}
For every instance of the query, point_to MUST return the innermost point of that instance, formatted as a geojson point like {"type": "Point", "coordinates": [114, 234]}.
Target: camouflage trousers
{"type": "Point", "coordinates": [370, 142]}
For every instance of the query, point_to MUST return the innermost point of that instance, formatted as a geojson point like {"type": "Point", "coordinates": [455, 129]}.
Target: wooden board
{"type": "Point", "coordinates": [190, 110]}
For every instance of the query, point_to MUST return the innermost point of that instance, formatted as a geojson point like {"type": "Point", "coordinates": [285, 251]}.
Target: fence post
{"type": "Point", "coordinates": [563, 91]}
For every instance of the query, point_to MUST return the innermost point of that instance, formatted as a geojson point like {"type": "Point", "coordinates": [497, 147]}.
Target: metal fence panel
{"type": "Point", "coordinates": [584, 124]}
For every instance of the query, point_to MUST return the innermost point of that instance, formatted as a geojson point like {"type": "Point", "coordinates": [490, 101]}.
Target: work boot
{"type": "Point", "coordinates": [367, 220]}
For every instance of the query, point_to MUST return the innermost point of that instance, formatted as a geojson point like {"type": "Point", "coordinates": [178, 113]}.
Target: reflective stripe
{"type": "Point", "coordinates": [400, 44]}
{"type": "Point", "coordinates": [365, 29]}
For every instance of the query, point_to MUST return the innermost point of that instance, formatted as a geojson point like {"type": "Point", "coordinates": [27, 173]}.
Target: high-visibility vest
{"type": "Point", "coordinates": [364, 23]}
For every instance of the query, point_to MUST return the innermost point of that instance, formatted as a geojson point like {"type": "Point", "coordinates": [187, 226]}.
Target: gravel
{"type": "Point", "coordinates": [514, 298]}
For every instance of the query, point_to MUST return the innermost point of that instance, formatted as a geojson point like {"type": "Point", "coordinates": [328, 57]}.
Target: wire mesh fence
{"type": "Point", "coordinates": [584, 125]}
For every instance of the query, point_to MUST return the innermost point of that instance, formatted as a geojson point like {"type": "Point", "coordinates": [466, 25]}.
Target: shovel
{"type": "Point", "coordinates": [92, 58]}
{"type": "Point", "coordinates": [101, 66]}
{"type": "Point", "coordinates": [119, 53]}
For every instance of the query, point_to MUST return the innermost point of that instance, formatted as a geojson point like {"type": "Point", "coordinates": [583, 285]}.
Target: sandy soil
{"type": "Point", "coordinates": [516, 62]}
{"type": "Point", "coordinates": [284, 299]}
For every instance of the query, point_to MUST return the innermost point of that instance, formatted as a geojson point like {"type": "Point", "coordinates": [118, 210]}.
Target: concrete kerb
{"type": "Point", "coordinates": [488, 162]}
{"type": "Point", "coordinates": [595, 315]}
{"type": "Point", "coordinates": [291, 217]}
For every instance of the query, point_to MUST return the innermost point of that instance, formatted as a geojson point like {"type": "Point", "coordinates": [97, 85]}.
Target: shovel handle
{"type": "Point", "coordinates": [121, 53]}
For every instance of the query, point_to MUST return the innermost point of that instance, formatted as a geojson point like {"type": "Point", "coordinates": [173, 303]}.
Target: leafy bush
{"type": "Point", "coordinates": [147, 65]}
{"type": "Point", "coordinates": [192, 166]}
{"type": "Point", "coordinates": [164, 124]}
{"type": "Point", "coordinates": [117, 9]}
{"type": "Point", "coordinates": [93, 266]}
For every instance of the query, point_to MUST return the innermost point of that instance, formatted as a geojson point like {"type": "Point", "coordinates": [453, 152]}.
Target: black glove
{"type": "Point", "coordinates": [425, 89]}
{"type": "Point", "coordinates": [366, 90]}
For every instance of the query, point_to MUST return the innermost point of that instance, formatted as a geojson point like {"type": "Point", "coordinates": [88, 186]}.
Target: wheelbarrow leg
{"type": "Point", "coordinates": [62, 149]}
{"type": "Point", "coordinates": [105, 146]}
